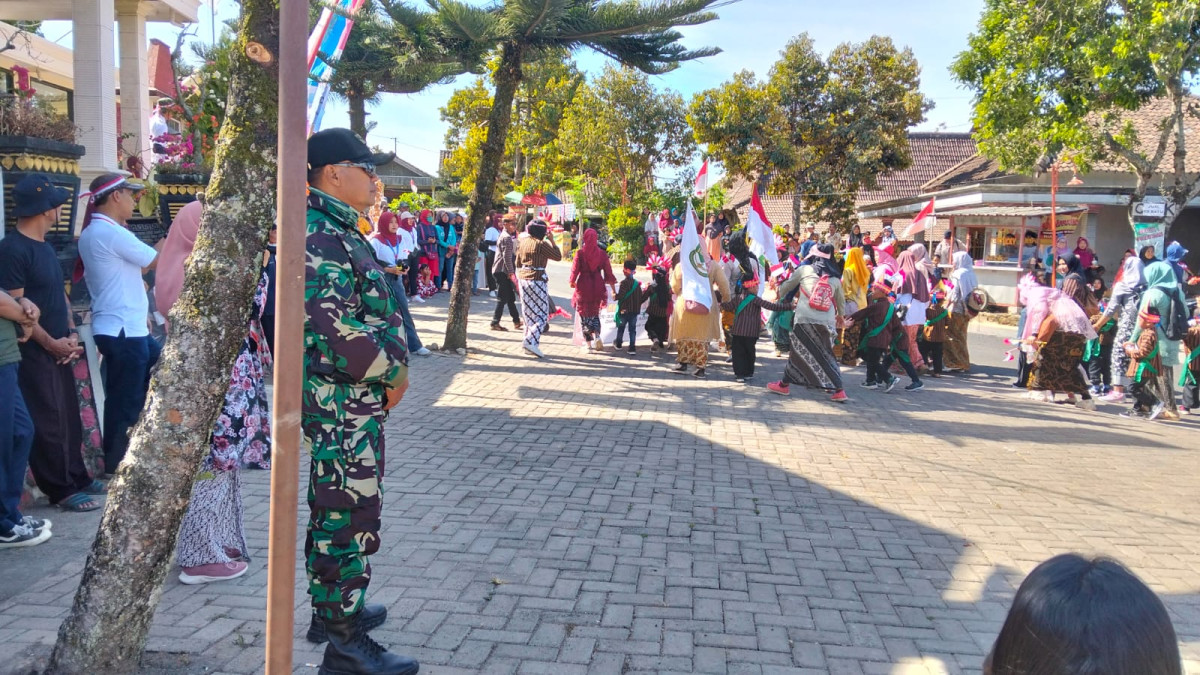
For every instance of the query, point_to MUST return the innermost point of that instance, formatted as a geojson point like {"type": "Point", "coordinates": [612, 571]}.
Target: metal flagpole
{"type": "Point", "coordinates": [289, 332]}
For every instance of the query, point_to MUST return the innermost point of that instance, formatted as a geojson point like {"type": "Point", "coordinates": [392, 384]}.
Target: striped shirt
{"type": "Point", "coordinates": [748, 322]}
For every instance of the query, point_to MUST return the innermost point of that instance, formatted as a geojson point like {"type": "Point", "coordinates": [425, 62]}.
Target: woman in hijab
{"type": "Point", "coordinates": [1148, 254]}
{"type": "Point", "coordinates": [591, 271]}
{"type": "Point", "coordinates": [1175, 255]}
{"type": "Point", "coordinates": [1123, 307]}
{"type": "Point", "coordinates": [212, 542]}
{"type": "Point", "coordinates": [856, 237]}
{"type": "Point", "coordinates": [811, 362]}
{"type": "Point", "coordinates": [964, 282]}
{"type": "Point", "coordinates": [914, 294]}
{"type": "Point", "coordinates": [447, 238]}
{"type": "Point", "coordinates": [1073, 282]}
{"type": "Point", "coordinates": [691, 327]}
{"type": "Point", "coordinates": [533, 252]}
{"type": "Point", "coordinates": [1083, 252]}
{"type": "Point", "coordinates": [388, 246]}
{"type": "Point", "coordinates": [427, 235]}
{"type": "Point", "coordinates": [410, 250]}
{"type": "Point", "coordinates": [1162, 288]}
{"type": "Point", "coordinates": [1034, 277]}
{"type": "Point", "coordinates": [856, 281]}
{"type": "Point", "coordinates": [1056, 331]}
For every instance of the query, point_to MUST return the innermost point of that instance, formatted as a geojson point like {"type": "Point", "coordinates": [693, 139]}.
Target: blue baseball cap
{"type": "Point", "coordinates": [35, 194]}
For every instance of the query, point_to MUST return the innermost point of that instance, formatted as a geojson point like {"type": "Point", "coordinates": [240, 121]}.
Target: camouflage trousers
{"type": "Point", "coordinates": [345, 500]}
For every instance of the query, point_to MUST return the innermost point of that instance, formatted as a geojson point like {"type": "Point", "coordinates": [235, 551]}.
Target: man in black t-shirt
{"type": "Point", "coordinates": [30, 269]}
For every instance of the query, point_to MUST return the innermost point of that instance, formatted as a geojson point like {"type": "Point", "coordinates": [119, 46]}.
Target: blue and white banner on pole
{"type": "Point", "coordinates": [329, 38]}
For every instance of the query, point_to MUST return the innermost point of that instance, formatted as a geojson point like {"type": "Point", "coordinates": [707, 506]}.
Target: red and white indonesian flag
{"type": "Point", "coordinates": [762, 237]}
{"type": "Point", "coordinates": [701, 185]}
{"type": "Point", "coordinates": [697, 287]}
{"type": "Point", "coordinates": [925, 219]}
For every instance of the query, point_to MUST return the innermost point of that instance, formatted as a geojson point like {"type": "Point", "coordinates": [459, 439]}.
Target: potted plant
{"type": "Point", "coordinates": [34, 138]}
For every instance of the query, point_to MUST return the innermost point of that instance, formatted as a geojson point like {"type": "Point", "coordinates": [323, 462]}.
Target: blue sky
{"type": "Point", "coordinates": [751, 33]}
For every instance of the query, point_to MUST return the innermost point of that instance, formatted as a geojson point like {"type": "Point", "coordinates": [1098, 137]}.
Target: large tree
{"type": "Point", "coordinates": [621, 129]}
{"type": "Point", "coordinates": [385, 56]}
{"type": "Point", "coordinates": [533, 158]}
{"type": "Point", "coordinates": [636, 33]}
{"type": "Point", "coordinates": [1064, 77]}
{"type": "Point", "coordinates": [106, 629]}
{"type": "Point", "coordinates": [820, 128]}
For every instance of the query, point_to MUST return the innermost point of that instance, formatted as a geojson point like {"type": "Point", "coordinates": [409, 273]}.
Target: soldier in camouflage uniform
{"type": "Point", "coordinates": [355, 364]}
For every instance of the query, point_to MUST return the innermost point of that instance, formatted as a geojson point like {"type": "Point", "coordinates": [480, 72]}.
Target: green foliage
{"type": "Point", "coordinates": [677, 193]}
{"type": "Point", "coordinates": [620, 129]}
{"type": "Point", "coordinates": [620, 251]}
{"type": "Point", "coordinates": [626, 224]}
{"type": "Point", "coordinates": [825, 127]}
{"type": "Point", "coordinates": [414, 202]}
{"type": "Point", "coordinates": [1061, 77]}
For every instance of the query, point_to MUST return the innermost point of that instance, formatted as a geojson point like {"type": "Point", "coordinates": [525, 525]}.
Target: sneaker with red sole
{"type": "Point", "coordinates": [780, 388]}
{"type": "Point", "coordinates": [204, 574]}
{"type": "Point", "coordinates": [839, 396]}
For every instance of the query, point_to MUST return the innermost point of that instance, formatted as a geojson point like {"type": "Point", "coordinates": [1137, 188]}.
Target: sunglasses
{"type": "Point", "coordinates": [369, 168]}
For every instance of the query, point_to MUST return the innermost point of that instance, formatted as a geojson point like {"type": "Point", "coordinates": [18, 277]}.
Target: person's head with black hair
{"type": "Point", "coordinates": [630, 267]}
{"type": "Point", "coordinates": [1079, 616]}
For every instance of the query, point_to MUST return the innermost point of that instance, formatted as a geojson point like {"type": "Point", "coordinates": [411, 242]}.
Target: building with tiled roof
{"type": "Point", "coordinates": [933, 154]}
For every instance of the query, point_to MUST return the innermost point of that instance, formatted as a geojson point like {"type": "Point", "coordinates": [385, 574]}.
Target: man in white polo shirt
{"type": "Point", "coordinates": [113, 263]}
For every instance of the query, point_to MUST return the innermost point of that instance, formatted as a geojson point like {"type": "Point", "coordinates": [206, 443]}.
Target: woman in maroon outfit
{"type": "Point", "coordinates": [590, 272]}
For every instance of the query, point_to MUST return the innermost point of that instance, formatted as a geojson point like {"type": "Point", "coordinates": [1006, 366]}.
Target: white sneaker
{"type": "Point", "coordinates": [1086, 404]}
{"type": "Point", "coordinates": [35, 523]}
{"type": "Point", "coordinates": [417, 298]}
{"type": "Point", "coordinates": [492, 294]}
{"type": "Point", "coordinates": [533, 349]}
{"type": "Point", "coordinates": [598, 345]}
{"type": "Point", "coordinates": [423, 351]}
{"type": "Point", "coordinates": [23, 535]}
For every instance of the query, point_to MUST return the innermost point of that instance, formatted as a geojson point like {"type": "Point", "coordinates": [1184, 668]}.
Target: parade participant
{"type": "Point", "coordinates": [113, 261]}
{"type": "Point", "coordinates": [1123, 307]}
{"type": "Point", "coordinates": [629, 303]}
{"type": "Point", "coordinates": [1175, 255]}
{"type": "Point", "coordinates": [714, 230]}
{"type": "Point", "coordinates": [884, 338]}
{"type": "Point", "coordinates": [659, 306]}
{"type": "Point", "coordinates": [1145, 366]}
{"type": "Point", "coordinates": [747, 306]}
{"type": "Point", "coordinates": [356, 370]}
{"type": "Point", "coordinates": [30, 269]}
{"type": "Point", "coordinates": [488, 249]}
{"type": "Point", "coordinates": [533, 252]}
{"type": "Point", "coordinates": [1073, 615]}
{"type": "Point", "coordinates": [389, 250]}
{"type": "Point", "coordinates": [1034, 276]}
{"type": "Point", "coordinates": [1148, 254]}
{"type": "Point", "coordinates": [1056, 331]}
{"type": "Point", "coordinates": [1164, 293]}
{"type": "Point", "coordinates": [818, 310]}
{"type": "Point", "coordinates": [447, 237]}
{"type": "Point", "coordinates": [504, 270]}
{"type": "Point", "coordinates": [914, 294]}
{"type": "Point", "coordinates": [212, 541]}
{"type": "Point", "coordinates": [963, 283]}
{"type": "Point", "coordinates": [856, 281]}
{"type": "Point", "coordinates": [932, 347]}
{"type": "Point", "coordinates": [1073, 282]}
{"type": "Point", "coordinates": [694, 327]}
{"type": "Point", "coordinates": [855, 239]}
{"type": "Point", "coordinates": [591, 271]}
{"type": "Point", "coordinates": [1189, 380]}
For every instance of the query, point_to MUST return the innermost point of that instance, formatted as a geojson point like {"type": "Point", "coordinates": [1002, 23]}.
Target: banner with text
{"type": "Point", "coordinates": [1150, 234]}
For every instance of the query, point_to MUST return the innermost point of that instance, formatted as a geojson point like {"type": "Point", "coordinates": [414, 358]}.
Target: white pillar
{"type": "Point", "coordinates": [135, 78]}
{"type": "Point", "coordinates": [95, 87]}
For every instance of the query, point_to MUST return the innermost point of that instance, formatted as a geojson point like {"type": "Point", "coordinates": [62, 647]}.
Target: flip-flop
{"type": "Point", "coordinates": [96, 488]}
{"type": "Point", "coordinates": [78, 503]}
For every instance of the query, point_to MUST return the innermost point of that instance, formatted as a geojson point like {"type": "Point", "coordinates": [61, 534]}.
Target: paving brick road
{"type": "Point", "coordinates": [602, 515]}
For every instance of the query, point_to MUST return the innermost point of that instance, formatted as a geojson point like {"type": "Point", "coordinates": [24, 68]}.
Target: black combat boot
{"type": "Point", "coordinates": [371, 617]}
{"type": "Point", "coordinates": [351, 651]}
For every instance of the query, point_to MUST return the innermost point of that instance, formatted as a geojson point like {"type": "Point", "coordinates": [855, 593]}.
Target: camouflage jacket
{"type": "Point", "coordinates": [354, 335]}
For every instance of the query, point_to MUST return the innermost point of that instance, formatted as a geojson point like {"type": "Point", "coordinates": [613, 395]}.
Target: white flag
{"type": "Point", "coordinates": [697, 287]}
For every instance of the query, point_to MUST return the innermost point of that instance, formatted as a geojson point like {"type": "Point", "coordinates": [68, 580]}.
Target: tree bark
{"type": "Point", "coordinates": [508, 78]}
{"type": "Point", "coordinates": [358, 114]}
{"type": "Point", "coordinates": [131, 555]}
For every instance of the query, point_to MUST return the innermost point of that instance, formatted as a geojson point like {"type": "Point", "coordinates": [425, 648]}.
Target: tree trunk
{"type": "Point", "coordinates": [508, 78]}
{"type": "Point", "coordinates": [122, 582]}
{"type": "Point", "coordinates": [358, 114]}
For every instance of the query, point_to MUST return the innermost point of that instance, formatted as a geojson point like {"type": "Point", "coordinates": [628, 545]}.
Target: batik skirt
{"type": "Point", "coordinates": [1058, 366]}
{"type": "Point", "coordinates": [535, 308]}
{"type": "Point", "coordinates": [810, 359]}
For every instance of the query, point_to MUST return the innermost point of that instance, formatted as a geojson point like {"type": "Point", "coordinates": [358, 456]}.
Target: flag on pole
{"type": "Point", "coordinates": [701, 186]}
{"type": "Point", "coordinates": [413, 185]}
{"type": "Point", "coordinates": [762, 236]}
{"type": "Point", "coordinates": [697, 287]}
{"type": "Point", "coordinates": [926, 218]}
{"type": "Point", "coordinates": [329, 38]}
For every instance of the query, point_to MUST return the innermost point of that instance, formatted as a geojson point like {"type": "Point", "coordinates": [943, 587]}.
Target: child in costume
{"type": "Point", "coordinates": [629, 304]}
{"type": "Point", "coordinates": [425, 286]}
{"type": "Point", "coordinates": [884, 338]}
{"type": "Point", "coordinates": [747, 307]}
{"type": "Point", "coordinates": [936, 319]}
{"type": "Point", "coordinates": [1144, 367]}
{"type": "Point", "coordinates": [1190, 378]}
{"type": "Point", "coordinates": [659, 305]}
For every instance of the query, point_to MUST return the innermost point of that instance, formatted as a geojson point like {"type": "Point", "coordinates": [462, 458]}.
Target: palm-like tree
{"type": "Point", "coordinates": [637, 33]}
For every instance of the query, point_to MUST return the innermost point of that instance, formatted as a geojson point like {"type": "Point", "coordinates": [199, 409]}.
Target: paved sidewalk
{"type": "Point", "coordinates": [598, 514]}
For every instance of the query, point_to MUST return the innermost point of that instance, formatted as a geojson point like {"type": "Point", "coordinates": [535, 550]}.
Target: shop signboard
{"type": "Point", "coordinates": [1150, 234]}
